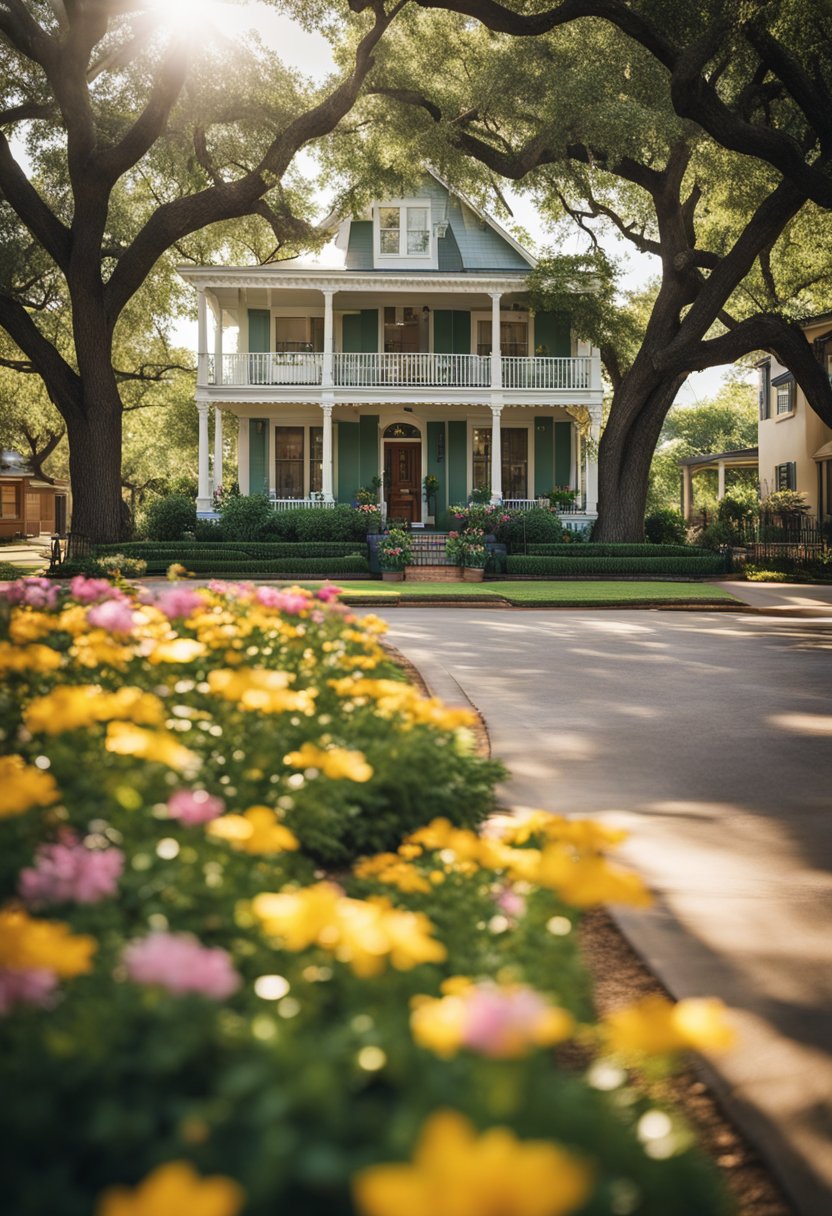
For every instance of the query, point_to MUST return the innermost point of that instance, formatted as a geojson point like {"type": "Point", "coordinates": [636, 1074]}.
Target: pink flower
{"type": "Point", "coordinates": [329, 592]}
{"type": "Point", "coordinates": [34, 592]}
{"type": "Point", "coordinates": [113, 615]}
{"type": "Point", "coordinates": [68, 872]}
{"type": "Point", "coordinates": [93, 590]}
{"type": "Point", "coordinates": [179, 601]}
{"type": "Point", "coordinates": [181, 964]}
{"type": "Point", "coordinates": [496, 1019]}
{"type": "Point", "coordinates": [511, 903]}
{"type": "Point", "coordinates": [194, 806]}
{"type": "Point", "coordinates": [283, 601]}
{"type": "Point", "coordinates": [33, 987]}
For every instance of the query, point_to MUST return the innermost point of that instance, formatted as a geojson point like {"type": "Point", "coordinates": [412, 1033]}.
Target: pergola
{"type": "Point", "coordinates": [742, 458]}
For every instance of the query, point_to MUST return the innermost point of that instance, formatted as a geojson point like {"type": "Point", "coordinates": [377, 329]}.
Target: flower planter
{"type": "Point", "coordinates": [473, 574]}
{"type": "Point", "coordinates": [392, 576]}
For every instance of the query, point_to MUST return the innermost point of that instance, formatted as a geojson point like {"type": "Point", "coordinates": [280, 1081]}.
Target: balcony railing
{"type": "Point", "coordinates": [400, 370]}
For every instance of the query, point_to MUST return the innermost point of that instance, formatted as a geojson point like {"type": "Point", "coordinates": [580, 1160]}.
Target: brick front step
{"type": "Point", "coordinates": [433, 574]}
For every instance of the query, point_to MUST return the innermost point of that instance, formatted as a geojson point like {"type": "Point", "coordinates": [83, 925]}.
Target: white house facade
{"type": "Point", "coordinates": [795, 446]}
{"type": "Point", "coordinates": [416, 354]}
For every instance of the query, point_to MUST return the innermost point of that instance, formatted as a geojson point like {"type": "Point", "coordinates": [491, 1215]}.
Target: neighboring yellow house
{"type": "Point", "coordinates": [795, 447]}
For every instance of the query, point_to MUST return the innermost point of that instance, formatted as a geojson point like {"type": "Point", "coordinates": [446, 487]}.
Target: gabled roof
{"type": "Point", "coordinates": [485, 217]}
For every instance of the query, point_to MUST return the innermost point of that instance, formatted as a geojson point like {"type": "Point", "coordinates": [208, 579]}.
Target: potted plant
{"type": "Point", "coordinates": [430, 484]}
{"type": "Point", "coordinates": [467, 549]}
{"type": "Point", "coordinates": [394, 553]}
{"type": "Point", "coordinates": [562, 498]}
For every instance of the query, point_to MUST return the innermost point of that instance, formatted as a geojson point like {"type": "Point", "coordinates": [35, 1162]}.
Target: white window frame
{"type": "Point", "coordinates": [403, 205]}
{"type": "Point", "coordinates": [785, 395]}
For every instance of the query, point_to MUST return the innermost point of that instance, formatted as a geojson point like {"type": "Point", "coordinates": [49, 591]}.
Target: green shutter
{"type": "Point", "coordinates": [563, 453]}
{"type": "Point", "coordinates": [544, 453]}
{"type": "Point", "coordinates": [259, 327]}
{"type": "Point", "coordinates": [348, 463]}
{"type": "Point", "coordinates": [451, 332]}
{"type": "Point", "coordinates": [368, 448]}
{"type": "Point", "coordinates": [551, 331]}
{"type": "Point", "coordinates": [258, 452]}
{"type": "Point", "coordinates": [360, 332]}
{"type": "Point", "coordinates": [457, 462]}
{"type": "Point", "coordinates": [437, 465]}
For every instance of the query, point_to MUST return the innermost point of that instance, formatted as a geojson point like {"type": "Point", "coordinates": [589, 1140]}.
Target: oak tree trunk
{"type": "Point", "coordinates": [95, 469]}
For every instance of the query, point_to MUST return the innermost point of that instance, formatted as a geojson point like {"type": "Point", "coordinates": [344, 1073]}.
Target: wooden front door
{"type": "Point", "coordinates": [403, 480]}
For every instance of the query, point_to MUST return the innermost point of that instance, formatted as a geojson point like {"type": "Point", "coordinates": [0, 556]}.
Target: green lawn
{"type": "Point", "coordinates": [555, 592]}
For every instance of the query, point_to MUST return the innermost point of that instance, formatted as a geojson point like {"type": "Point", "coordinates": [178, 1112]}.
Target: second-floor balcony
{"type": "Point", "coordinates": [282, 369]}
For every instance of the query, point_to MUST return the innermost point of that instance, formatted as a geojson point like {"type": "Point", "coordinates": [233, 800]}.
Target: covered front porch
{"type": "Point", "coordinates": [426, 458]}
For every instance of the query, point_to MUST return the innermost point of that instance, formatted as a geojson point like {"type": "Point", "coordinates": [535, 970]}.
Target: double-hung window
{"type": "Point", "coordinates": [785, 398]}
{"type": "Point", "coordinates": [404, 231]}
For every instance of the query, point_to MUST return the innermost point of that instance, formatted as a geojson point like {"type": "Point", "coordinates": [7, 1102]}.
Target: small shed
{"type": "Point", "coordinates": [29, 505]}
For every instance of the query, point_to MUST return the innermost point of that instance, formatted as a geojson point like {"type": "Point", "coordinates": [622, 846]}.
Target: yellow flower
{"type": "Point", "coordinates": [124, 739]}
{"type": "Point", "coordinates": [655, 1026]}
{"type": "Point", "coordinates": [456, 1172]}
{"type": "Point", "coordinates": [70, 707]}
{"type": "Point", "coordinates": [584, 834]}
{"type": "Point", "coordinates": [30, 626]}
{"type": "Point", "coordinates": [440, 835]}
{"type": "Point", "coordinates": [366, 934]}
{"type": "Point", "coordinates": [28, 658]}
{"type": "Point", "coordinates": [374, 624]}
{"type": "Point", "coordinates": [257, 830]}
{"type": "Point", "coordinates": [98, 648]}
{"type": "Point", "coordinates": [585, 881]}
{"type": "Point", "coordinates": [255, 688]}
{"type": "Point", "coordinates": [177, 650]}
{"type": "Point", "coordinates": [334, 762]}
{"type": "Point", "coordinates": [175, 1189]}
{"type": "Point", "coordinates": [28, 944]}
{"type": "Point", "coordinates": [439, 1024]}
{"type": "Point", "coordinates": [23, 786]}
{"type": "Point", "coordinates": [390, 868]}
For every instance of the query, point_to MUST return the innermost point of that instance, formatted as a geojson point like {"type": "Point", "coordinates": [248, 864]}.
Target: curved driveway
{"type": "Point", "coordinates": [709, 735]}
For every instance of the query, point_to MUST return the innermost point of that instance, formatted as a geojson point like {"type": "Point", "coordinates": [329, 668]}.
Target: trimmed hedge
{"type": "Point", "coordinates": [148, 550]}
{"type": "Point", "coordinates": [591, 549]}
{"type": "Point", "coordinates": [685, 567]}
{"type": "Point", "coordinates": [356, 564]}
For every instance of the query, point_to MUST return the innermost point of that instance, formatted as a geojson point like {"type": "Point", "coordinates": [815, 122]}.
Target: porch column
{"type": "Point", "coordinates": [326, 482]}
{"type": "Point", "coordinates": [496, 455]}
{"type": "Point", "coordinates": [202, 337]}
{"type": "Point", "coordinates": [203, 500]}
{"type": "Point", "coordinates": [496, 355]}
{"type": "Point", "coordinates": [687, 493]}
{"type": "Point", "coordinates": [720, 485]}
{"type": "Point", "coordinates": [218, 368]}
{"type": "Point", "coordinates": [217, 448]}
{"type": "Point", "coordinates": [328, 345]}
{"type": "Point", "coordinates": [591, 449]}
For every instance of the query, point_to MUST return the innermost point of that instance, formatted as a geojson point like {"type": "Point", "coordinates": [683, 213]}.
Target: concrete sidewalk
{"type": "Point", "coordinates": [783, 599]}
{"type": "Point", "coordinates": [709, 736]}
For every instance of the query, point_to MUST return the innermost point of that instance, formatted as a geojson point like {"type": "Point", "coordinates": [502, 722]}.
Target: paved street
{"type": "Point", "coordinates": [709, 735]}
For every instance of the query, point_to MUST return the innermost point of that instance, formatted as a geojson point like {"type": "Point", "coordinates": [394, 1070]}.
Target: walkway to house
{"type": "Point", "coordinates": [29, 554]}
{"type": "Point", "coordinates": [709, 735]}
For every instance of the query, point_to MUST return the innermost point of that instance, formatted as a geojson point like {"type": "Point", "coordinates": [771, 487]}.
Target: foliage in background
{"type": "Point", "coordinates": [665, 527]}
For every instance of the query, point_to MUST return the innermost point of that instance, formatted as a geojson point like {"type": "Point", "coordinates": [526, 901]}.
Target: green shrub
{"type": "Point", "coordinates": [170, 518]}
{"type": "Point", "coordinates": [665, 527]}
{"type": "Point", "coordinates": [537, 526]}
{"type": "Point", "coordinates": [306, 566]}
{"type": "Point", "coordinates": [150, 550]}
{"type": "Point", "coordinates": [242, 517]}
{"type": "Point", "coordinates": [717, 535]}
{"type": "Point", "coordinates": [338, 523]}
{"type": "Point", "coordinates": [209, 531]}
{"type": "Point", "coordinates": [599, 549]}
{"type": "Point", "coordinates": [685, 567]}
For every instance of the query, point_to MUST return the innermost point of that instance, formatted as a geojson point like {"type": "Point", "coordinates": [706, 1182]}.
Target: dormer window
{"type": "Point", "coordinates": [404, 230]}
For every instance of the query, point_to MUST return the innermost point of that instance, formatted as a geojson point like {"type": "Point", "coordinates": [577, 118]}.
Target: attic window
{"type": "Point", "coordinates": [404, 231]}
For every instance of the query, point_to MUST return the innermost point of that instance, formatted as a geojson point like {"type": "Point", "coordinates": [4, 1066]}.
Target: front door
{"type": "Point", "coordinates": [403, 480]}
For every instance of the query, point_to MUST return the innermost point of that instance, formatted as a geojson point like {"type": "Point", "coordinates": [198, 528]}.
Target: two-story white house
{"type": "Point", "coordinates": [412, 350]}
{"type": "Point", "coordinates": [795, 446]}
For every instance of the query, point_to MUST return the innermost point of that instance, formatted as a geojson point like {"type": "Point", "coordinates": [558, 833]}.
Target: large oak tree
{"type": "Point", "coordinates": [137, 137]}
{"type": "Point", "coordinates": [734, 239]}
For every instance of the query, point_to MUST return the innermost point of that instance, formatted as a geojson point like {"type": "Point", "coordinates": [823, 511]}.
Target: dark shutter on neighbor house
{"type": "Point", "coordinates": [786, 475]}
{"type": "Point", "coordinates": [765, 391]}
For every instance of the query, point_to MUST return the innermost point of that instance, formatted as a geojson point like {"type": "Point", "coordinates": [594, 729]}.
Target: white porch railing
{"type": "Point", "coordinates": [290, 504]}
{"type": "Point", "coordinates": [402, 370]}
{"type": "Point", "coordinates": [293, 367]}
{"type": "Point", "coordinates": [412, 370]}
{"type": "Point", "coordinates": [544, 373]}
{"type": "Point", "coordinates": [523, 504]}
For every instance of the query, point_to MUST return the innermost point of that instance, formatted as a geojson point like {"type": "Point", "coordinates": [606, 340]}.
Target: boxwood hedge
{"type": "Point", "coordinates": [684, 567]}
{"type": "Point", "coordinates": [593, 549]}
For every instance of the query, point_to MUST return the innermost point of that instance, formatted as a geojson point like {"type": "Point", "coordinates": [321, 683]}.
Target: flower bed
{"type": "Point", "coordinates": [199, 1019]}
